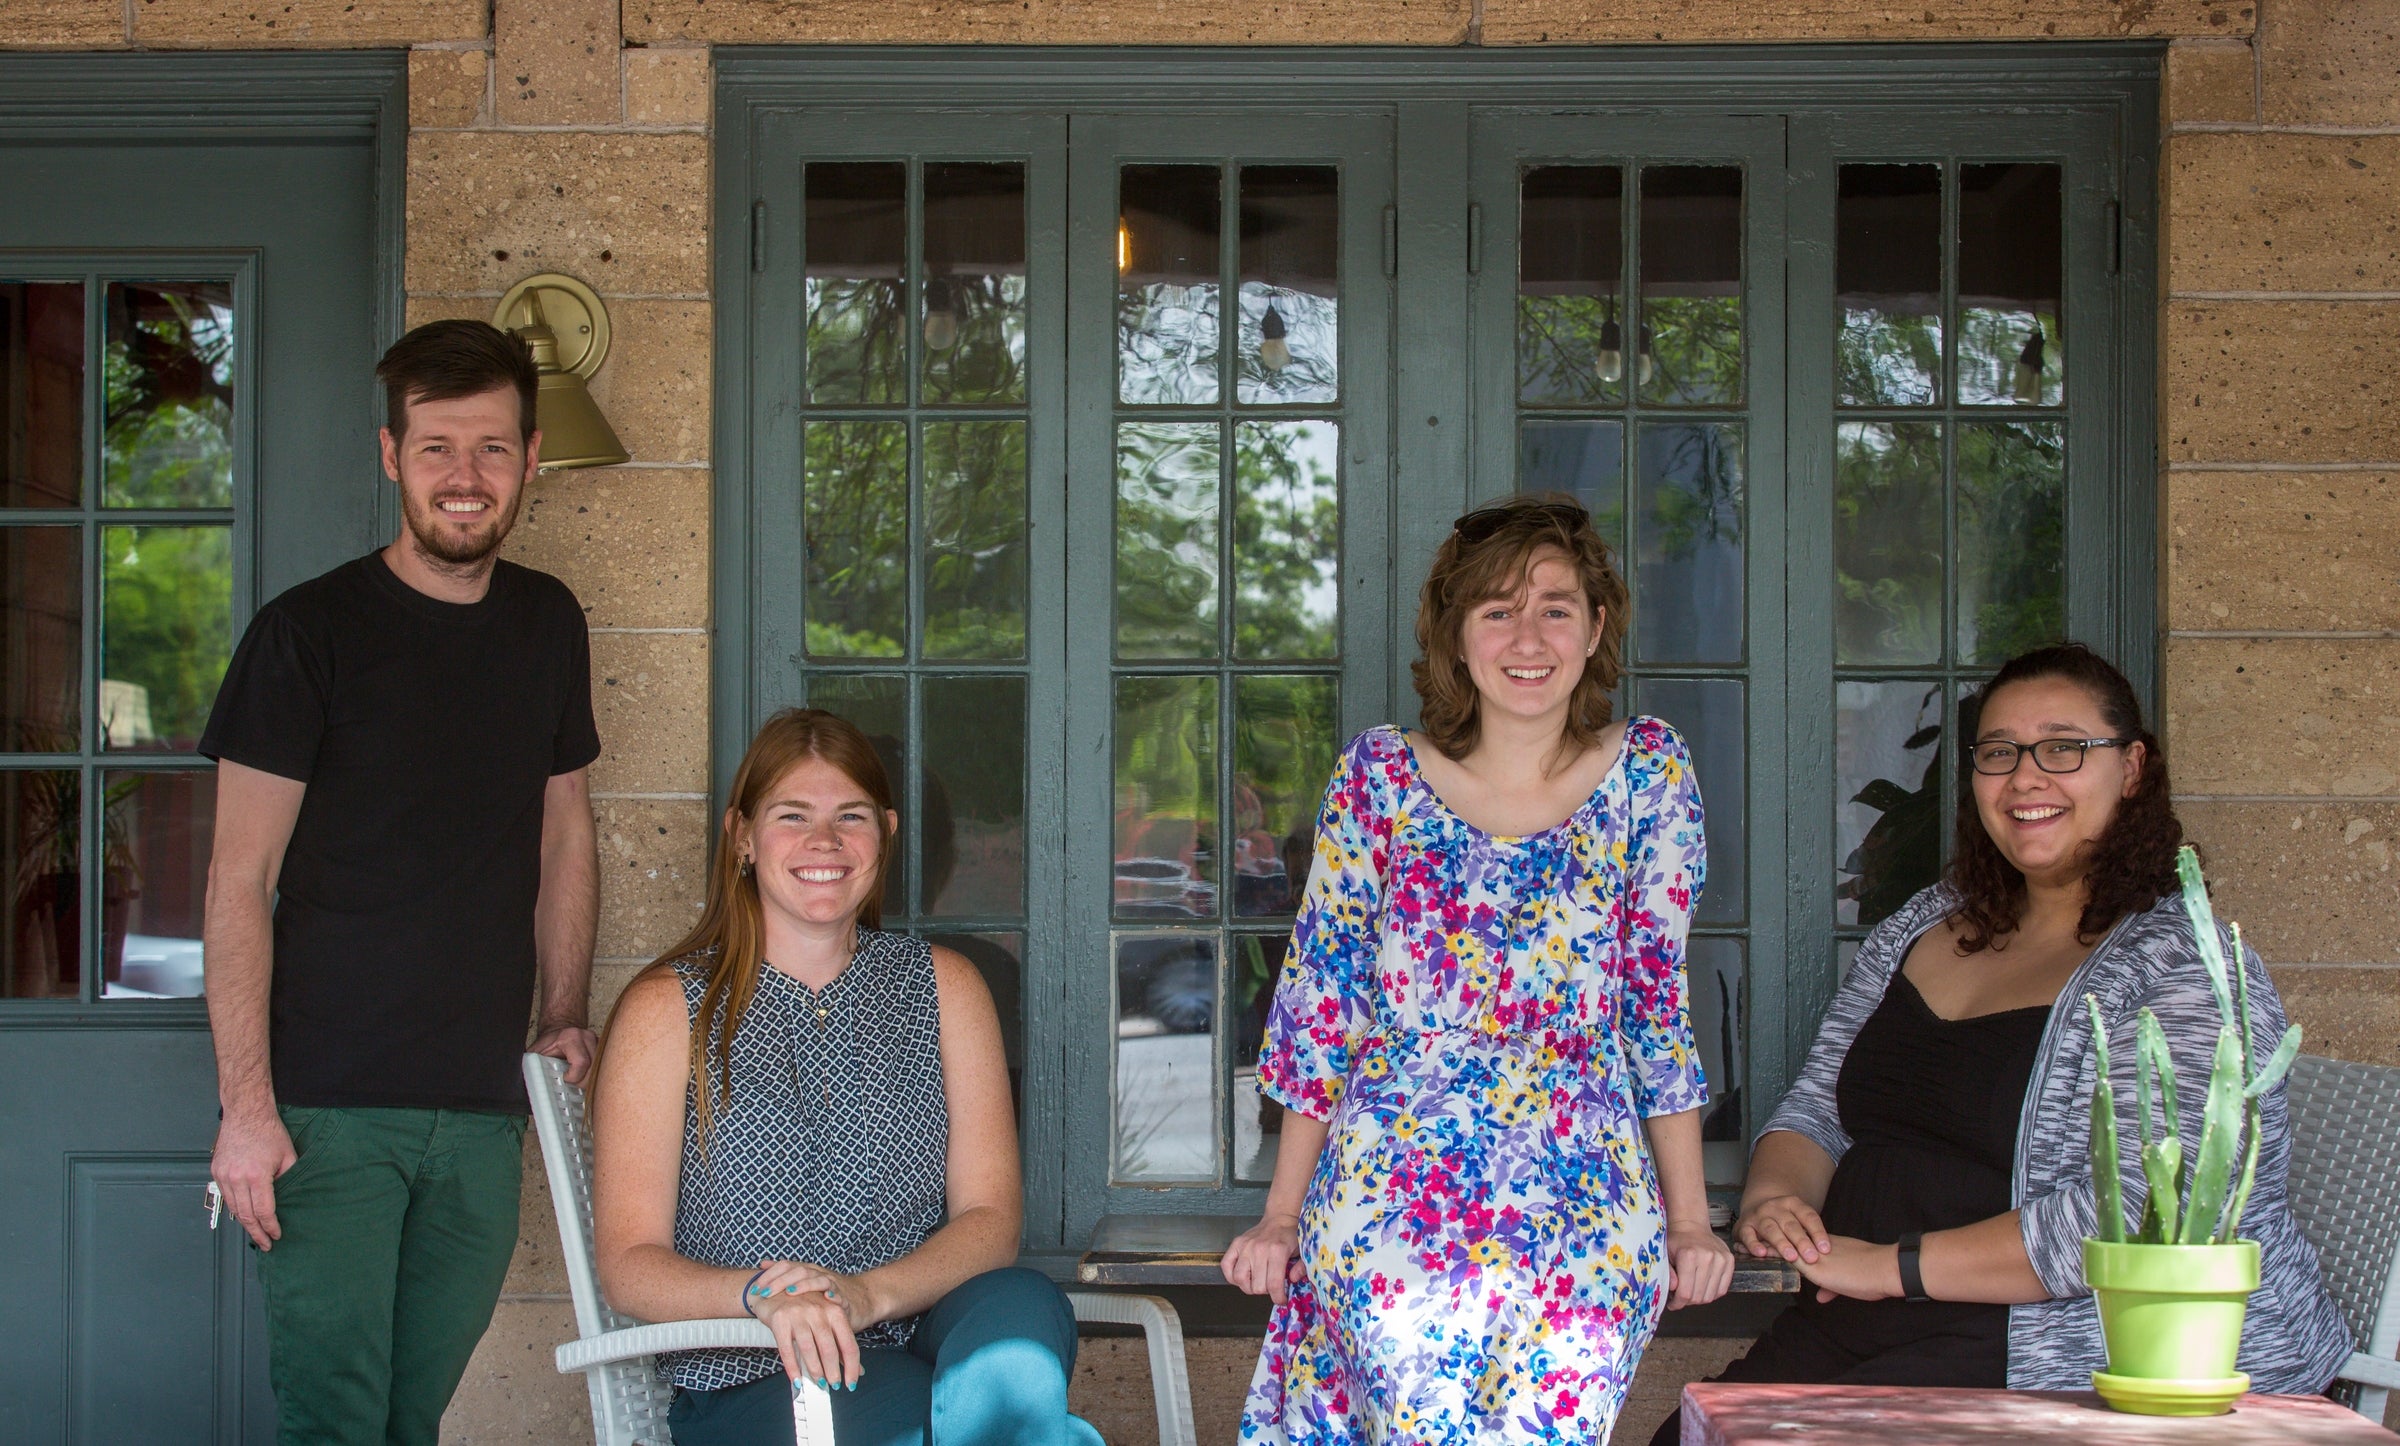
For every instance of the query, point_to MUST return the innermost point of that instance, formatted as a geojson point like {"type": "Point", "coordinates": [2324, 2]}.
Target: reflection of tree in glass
{"type": "Point", "coordinates": [1700, 501]}
{"type": "Point", "coordinates": [1902, 850]}
{"type": "Point", "coordinates": [855, 507]}
{"type": "Point", "coordinates": [168, 370]}
{"type": "Point", "coordinates": [1887, 519]}
{"type": "Point", "coordinates": [974, 540]}
{"type": "Point", "coordinates": [1693, 346]}
{"type": "Point", "coordinates": [856, 347]}
{"type": "Point", "coordinates": [168, 626]}
{"type": "Point", "coordinates": [986, 361]}
{"type": "Point", "coordinates": [1286, 540]}
{"type": "Point", "coordinates": [1167, 539]}
{"type": "Point", "coordinates": [1695, 350]}
{"type": "Point", "coordinates": [2012, 539]}
{"type": "Point", "coordinates": [1559, 346]}
{"type": "Point", "coordinates": [1284, 738]}
{"type": "Point", "coordinates": [1167, 342]}
{"type": "Point", "coordinates": [1888, 358]}
{"type": "Point", "coordinates": [1166, 773]}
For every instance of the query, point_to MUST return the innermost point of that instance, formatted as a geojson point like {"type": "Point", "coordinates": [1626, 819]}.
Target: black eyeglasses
{"type": "Point", "coordinates": [1998, 757]}
{"type": "Point", "coordinates": [1484, 521]}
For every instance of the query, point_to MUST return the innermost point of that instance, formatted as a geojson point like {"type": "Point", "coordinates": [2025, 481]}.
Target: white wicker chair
{"type": "Point", "coordinates": [2345, 1189]}
{"type": "Point", "coordinates": [614, 1351]}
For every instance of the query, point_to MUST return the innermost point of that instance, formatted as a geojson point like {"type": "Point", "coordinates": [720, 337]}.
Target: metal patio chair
{"type": "Point", "coordinates": [2345, 1189]}
{"type": "Point", "coordinates": [614, 1351]}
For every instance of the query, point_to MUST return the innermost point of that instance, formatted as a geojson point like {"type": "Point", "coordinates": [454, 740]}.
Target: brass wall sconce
{"type": "Point", "coordinates": [563, 322]}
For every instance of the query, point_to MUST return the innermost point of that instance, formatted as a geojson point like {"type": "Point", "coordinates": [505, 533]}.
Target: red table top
{"type": "Point", "coordinates": [1726, 1414]}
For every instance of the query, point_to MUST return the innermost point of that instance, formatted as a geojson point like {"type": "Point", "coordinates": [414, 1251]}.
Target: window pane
{"type": "Point", "coordinates": [878, 704]}
{"type": "Point", "coordinates": [1168, 279]}
{"type": "Point", "coordinates": [1166, 1058]}
{"type": "Point", "coordinates": [41, 575]}
{"type": "Point", "coordinates": [166, 594]}
{"type": "Point", "coordinates": [974, 308]}
{"type": "Point", "coordinates": [41, 393]}
{"type": "Point", "coordinates": [1257, 1119]}
{"type": "Point", "coordinates": [41, 849]}
{"type": "Point", "coordinates": [1892, 808]}
{"type": "Point", "coordinates": [1887, 543]}
{"type": "Point", "coordinates": [999, 958]}
{"type": "Point", "coordinates": [2012, 543]}
{"type": "Point", "coordinates": [1709, 715]}
{"type": "Point", "coordinates": [1287, 528]}
{"type": "Point", "coordinates": [1291, 284]}
{"type": "Point", "coordinates": [1585, 460]}
{"type": "Point", "coordinates": [1166, 798]}
{"type": "Point", "coordinates": [855, 265]}
{"type": "Point", "coordinates": [1888, 271]}
{"type": "Point", "coordinates": [2010, 277]}
{"type": "Point", "coordinates": [1691, 339]}
{"type": "Point", "coordinates": [1167, 539]}
{"type": "Point", "coordinates": [1284, 735]}
{"type": "Point", "coordinates": [169, 375]}
{"type": "Point", "coordinates": [974, 539]}
{"type": "Point", "coordinates": [158, 831]}
{"type": "Point", "coordinates": [1688, 584]}
{"type": "Point", "coordinates": [854, 504]}
{"type": "Point", "coordinates": [971, 829]}
{"type": "Point", "coordinates": [1571, 260]}
{"type": "Point", "coordinates": [1713, 966]}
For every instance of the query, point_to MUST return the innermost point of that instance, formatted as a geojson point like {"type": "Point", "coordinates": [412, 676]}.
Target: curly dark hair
{"type": "Point", "coordinates": [2132, 863]}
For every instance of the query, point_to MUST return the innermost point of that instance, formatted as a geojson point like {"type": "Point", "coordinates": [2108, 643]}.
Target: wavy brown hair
{"type": "Point", "coordinates": [731, 932]}
{"type": "Point", "coordinates": [1467, 574]}
{"type": "Point", "coordinates": [2130, 867]}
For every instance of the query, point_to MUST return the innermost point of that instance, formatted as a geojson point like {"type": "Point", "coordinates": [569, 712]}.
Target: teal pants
{"type": "Point", "coordinates": [988, 1366]}
{"type": "Point", "coordinates": [398, 1226]}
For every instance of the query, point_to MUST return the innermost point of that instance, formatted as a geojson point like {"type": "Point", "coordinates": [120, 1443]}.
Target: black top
{"type": "Point", "coordinates": [426, 732]}
{"type": "Point", "coordinates": [1931, 1106]}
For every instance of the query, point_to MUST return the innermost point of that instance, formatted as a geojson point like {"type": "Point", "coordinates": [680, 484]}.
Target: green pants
{"type": "Point", "coordinates": [398, 1226]}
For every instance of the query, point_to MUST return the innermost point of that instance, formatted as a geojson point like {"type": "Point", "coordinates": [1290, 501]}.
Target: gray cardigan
{"type": "Point", "coordinates": [2294, 1336]}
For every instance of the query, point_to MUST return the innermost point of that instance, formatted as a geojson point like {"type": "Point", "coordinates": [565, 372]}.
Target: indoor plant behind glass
{"type": "Point", "coordinates": [2172, 1291]}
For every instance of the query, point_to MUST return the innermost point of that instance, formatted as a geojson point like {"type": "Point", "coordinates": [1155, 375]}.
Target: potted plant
{"type": "Point", "coordinates": [2172, 1291]}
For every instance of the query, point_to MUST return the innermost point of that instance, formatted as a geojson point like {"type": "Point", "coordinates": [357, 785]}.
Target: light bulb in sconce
{"type": "Point", "coordinates": [941, 316]}
{"type": "Point", "coordinates": [2027, 383]}
{"type": "Point", "coordinates": [1273, 353]}
{"type": "Point", "coordinates": [1648, 364]}
{"type": "Point", "coordinates": [1611, 359]}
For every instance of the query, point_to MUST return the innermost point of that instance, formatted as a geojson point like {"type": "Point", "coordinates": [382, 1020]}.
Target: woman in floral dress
{"type": "Point", "coordinates": [1481, 1017]}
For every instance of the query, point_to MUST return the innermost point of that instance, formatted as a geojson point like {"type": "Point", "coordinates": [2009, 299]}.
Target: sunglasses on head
{"type": "Point", "coordinates": [1483, 522]}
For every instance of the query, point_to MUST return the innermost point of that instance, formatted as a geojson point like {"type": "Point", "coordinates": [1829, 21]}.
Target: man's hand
{"type": "Point", "coordinates": [573, 1043]}
{"type": "Point", "coordinates": [1700, 1265]}
{"type": "Point", "coordinates": [252, 1150]}
{"type": "Point", "coordinates": [1856, 1269]}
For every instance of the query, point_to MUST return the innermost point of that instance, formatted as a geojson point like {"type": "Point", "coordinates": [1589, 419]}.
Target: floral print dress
{"type": "Point", "coordinates": [1484, 1022]}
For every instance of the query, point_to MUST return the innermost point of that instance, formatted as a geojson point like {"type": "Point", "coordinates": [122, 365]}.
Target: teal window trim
{"type": "Point", "coordinates": [2005, 101]}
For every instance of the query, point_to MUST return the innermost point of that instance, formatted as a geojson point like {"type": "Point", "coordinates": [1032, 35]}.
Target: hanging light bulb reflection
{"type": "Point", "coordinates": [941, 315]}
{"type": "Point", "coordinates": [1610, 361]}
{"type": "Point", "coordinates": [1273, 353]}
{"type": "Point", "coordinates": [2028, 380]}
{"type": "Point", "coordinates": [1648, 364]}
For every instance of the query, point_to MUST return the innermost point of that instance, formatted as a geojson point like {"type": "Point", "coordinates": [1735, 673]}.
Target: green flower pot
{"type": "Point", "coordinates": [2171, 1313]}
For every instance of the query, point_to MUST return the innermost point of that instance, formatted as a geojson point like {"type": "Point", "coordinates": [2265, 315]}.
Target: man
{"type": "Point", "coordinates": [404, 847]}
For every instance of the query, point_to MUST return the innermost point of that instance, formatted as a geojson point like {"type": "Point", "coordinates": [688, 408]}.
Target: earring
{"type": "Point", "coordinates": [746, 866]}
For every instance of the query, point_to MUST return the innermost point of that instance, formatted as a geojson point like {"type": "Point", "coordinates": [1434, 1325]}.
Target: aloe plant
{"type": "Point", "coordinates": [2199, 1201]}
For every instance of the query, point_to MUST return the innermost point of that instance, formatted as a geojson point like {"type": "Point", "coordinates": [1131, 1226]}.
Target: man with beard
{"type": "Point", "coordinates": [404, 850]}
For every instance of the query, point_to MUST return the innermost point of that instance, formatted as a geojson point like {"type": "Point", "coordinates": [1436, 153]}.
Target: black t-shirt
{"type": "Point", "coordinates": [426, 732]}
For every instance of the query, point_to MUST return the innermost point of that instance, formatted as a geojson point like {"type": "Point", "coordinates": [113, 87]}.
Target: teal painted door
{"type": "Point", "coordinates": [190, 328]}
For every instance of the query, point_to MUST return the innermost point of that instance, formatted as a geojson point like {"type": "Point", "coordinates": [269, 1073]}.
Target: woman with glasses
{"type": "Point", "coordinates": [1929, 1172]}
{"type": "Point", "coordinates": [1480, 1020]}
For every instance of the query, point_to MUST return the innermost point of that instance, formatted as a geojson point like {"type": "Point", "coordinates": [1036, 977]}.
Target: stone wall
{"type": "Point", "coordinates": [573, 135]}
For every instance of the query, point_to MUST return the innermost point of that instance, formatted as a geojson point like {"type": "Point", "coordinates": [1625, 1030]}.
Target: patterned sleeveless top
{"type": "Point", "coordinates": [833, 1145]}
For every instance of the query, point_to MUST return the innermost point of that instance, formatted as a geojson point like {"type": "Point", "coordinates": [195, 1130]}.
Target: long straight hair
{"type": "Point", "coordinates": [731, 933]}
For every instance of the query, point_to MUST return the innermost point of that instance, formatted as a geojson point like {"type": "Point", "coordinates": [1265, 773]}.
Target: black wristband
{"type": "Point", "coordinates": [1912, 1276]}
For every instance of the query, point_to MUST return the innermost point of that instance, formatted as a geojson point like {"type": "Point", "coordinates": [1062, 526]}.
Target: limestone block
{"type": "Point", "coordinates": [512, 1390]}
{"type": "Point", "coordinates": [2311, 883]}
{"type": "Point", "coordinates": [422, 309]}
{"type": "Point", "coordinates": [650, 698]}
{"type": "Point", "coordinates": [446, 87]}
{"type": "Point", "coordinates": [2351, 1014]}
{"type": "Point", "coordinates": [2253, 551]}
{"type": "Point", "coordinates": [1031, 22]}
{"type": "Point", "coordinates": [536, 1268]}
{"type": "Point", "coordinates": [2266, 212]}
{"type": "Point", "coordinates": [626, 213]}
{"type": "Point", "coordinates": [2284, 715]}
{"type": "Point", "coordinates": [2280, 381]}
{"type": "Point", "coordinates": [557, 62]}
{"type": "Point", "coordinates": [2210, 80]}
{"type": "Point", "coordinates": [2330, 62]}
{"type": "Point", "coordinates": [245, 24]}
{"type": "Point", "coordinates": [653, 872]}
{"type": "Point", "coordinates": [667, 87]}
{"type": "Point", "coordinates": [63, 25]}
{"type": "Point", "coordinates": [1538, 22]}
{"type": "Point", "coordinates": [609, 978]}
{"type": "Point", "coordinates": [654, 388]}
{"type": "Point", "coordinates": [631, 542]}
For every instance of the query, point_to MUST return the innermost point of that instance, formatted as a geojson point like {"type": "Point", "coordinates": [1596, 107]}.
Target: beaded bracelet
{"type": "Point", "coordinates": [748, 1289]}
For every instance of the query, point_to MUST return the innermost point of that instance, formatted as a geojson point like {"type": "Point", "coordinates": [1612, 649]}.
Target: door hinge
{"type": "Point", "coordinates": [2116, 238]}
{"type": "Point", "coordinates": [758, 235]}
{"type": "Point", "coordinates": [1474, 237]}
{"type": "Point", "coordinates": [1391, 240]}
